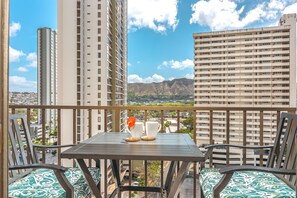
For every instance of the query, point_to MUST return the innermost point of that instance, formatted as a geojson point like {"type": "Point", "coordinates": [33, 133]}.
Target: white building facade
{"type": "Point", "coordinates": [92, 57]}
{"type": "Point", "coordinates": [244, 68]}
{"type": "Point", "coordinates": [47, 73]}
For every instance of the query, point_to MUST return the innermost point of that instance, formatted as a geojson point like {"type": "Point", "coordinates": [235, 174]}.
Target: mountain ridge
{"type": "Point", "coordinates": [175, 87]}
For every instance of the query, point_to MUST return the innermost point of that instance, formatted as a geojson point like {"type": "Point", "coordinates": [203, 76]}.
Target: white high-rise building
{"type": "Point", "coordinates": [47, 73]}
{"type": "Point", "coordinates": [92, 57]}
{"type": "Point", "coordinates": [244, 68]}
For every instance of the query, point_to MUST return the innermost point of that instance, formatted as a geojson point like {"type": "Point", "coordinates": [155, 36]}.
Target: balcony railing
{"type": "Point", "coordinates": [240, 125]}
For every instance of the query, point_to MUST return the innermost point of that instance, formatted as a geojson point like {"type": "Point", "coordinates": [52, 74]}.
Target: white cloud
{"type": "Point", "coordinates": [14, 54]}
{"type": "Point", "coordinates": [157, 15]}
{"type": "Point", "coordinates": [173, 64]}
{"type": "Point", "coordinates": [32, 58]}
{"type": "Point", "coordinates": [226, 14]}
{"type": "Point", "coordinates": [189, 76]}
{"type": "Point", "coordinates": [291, 9]}
{"type": "Point", "coordinates": [14, 28]}
{"type": "Point", "coordinates": [134, 78]}
{"type": "Point", "coordinates": [22, 69]}
{"type": "Point", "coordinates": [129, 64]}
{"type": "Point", "coordinates": [18, 83]}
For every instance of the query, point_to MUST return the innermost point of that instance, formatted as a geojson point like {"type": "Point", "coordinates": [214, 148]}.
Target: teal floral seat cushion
{"type": "Point", "coordinates": [245, 184]}
{"type": "Point", "coordinates": [43, 183]}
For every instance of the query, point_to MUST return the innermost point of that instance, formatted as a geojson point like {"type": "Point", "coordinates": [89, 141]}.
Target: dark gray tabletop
{"type": "Point", "coordinates": [112, 145]}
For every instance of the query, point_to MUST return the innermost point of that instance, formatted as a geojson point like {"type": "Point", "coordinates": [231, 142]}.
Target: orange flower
{"type": "Point", "coordinates": [131, 122]}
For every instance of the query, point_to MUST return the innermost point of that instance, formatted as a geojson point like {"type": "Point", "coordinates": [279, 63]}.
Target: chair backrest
{"type": "Point", "coordinates": [20, 146]}
{"type": "Point", "coordinates": [284, 152]}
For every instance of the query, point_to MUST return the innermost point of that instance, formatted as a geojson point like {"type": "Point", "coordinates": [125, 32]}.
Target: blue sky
{"type": "Point", "coordinates": [160, 43]}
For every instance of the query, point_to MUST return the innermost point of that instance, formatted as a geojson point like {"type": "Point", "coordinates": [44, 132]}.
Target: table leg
{"type": "Point", "coordinates": [88, 177]}
{"type": "Point", "coordinates": [170, 176]}
{"type": "Point", "coordinates": [181, 175]}
{"type": "Point", "coordinates": [116, 173]}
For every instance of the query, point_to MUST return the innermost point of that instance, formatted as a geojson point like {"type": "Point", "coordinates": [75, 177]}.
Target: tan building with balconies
{"type": "Point", "coordinates": [92, 57]}
{"type": "Point", "coordinates": [244, 68]}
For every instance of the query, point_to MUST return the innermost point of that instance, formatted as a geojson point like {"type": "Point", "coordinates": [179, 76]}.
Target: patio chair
{"type": "Point", "coordinates": [277, 179]}
{"type": "Point", "coordinates": [29, 178]}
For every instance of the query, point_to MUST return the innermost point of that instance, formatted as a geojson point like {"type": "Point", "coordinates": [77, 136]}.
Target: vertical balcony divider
{"type": "Point", "coordinates": [43, 134]}
{"type": "Point", "coordinates": [277, 118]}
{"type": "Point", "coordinates": [145, 162]}
{"type": "Point", "coordinates": [145, 177]}
{"type": "Point", "coordinates": [162, 162]}
{"type": "Point", "coordinates": [130, 177]}
{"type": "Point", "coordinates": [117, 120]}
{"type": "Point", "coordinates": [145, 116]}
{"type": "Point", "coordinates": [59, 135]}
{"type": "Point", "coordinates": [28, 123]}
{"type": "Point", "coordinates": [162, 121]}
{"type": "Point", "coordinates": [130, 164]}
{"type": "Point", "coordinates": [162, 174]}
{"type": "Point", "coordinates": [195, 163]}
{"type": "Point", "coordinates": [105, 179]}
{"type": "Point", "coordinates": [261, 137]}
{"type": "Point", "coordinates": [211, 141]}
{"type": "Point", "coordinates": [74, 135]}
{"type": "Point", "coordinates": [4, 56]}
{"type": "Point", "coordinates": [228, 137]}
{"type": "Point", "coordinates": [28, 117]}
{"type": "Point", "coordinates": [244, 136]}
{"type": "Point", "coordinates": [105, 120]}
{"type": "Point", "coordinates": [90, 129]}
{"type": "Point", "coordinates": [177, 169]}
{"type": "Point", "coordinates": [178, 120]}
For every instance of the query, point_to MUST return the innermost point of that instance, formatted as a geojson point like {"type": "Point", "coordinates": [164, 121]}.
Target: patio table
{"type": "Point", "coordinates": [172, 147]}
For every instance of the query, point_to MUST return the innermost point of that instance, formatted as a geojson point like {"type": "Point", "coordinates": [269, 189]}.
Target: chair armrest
{"type": "Point", "coordinates": [231, 169]}
{"type": "Point", "coordinates": [238, 146]}
{"type": "Point", "coordinates": [52, 146]}
{"type": "Point", "coordinates": [37, 166]}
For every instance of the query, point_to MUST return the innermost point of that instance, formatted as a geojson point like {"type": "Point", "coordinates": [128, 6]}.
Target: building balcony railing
{"type": "Point", "coordinates": [245, 126]}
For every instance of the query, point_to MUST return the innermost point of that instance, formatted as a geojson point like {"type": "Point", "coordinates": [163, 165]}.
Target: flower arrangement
{"type": "Point", "coordinates": [131, 122]}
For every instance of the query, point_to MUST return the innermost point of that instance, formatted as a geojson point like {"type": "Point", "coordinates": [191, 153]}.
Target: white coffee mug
{"type": "Point", "coordinates": [137, 130]}
{"type": "Point", "coordinates": [152, 128]}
